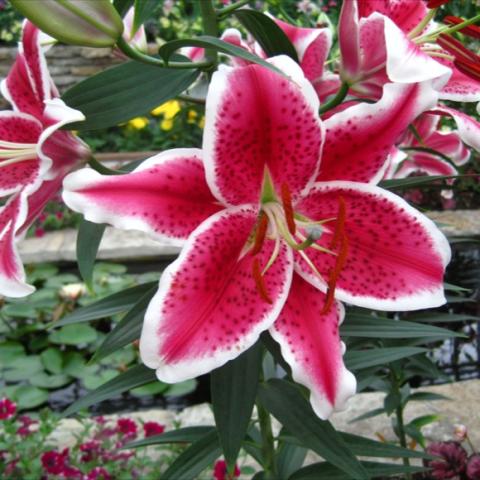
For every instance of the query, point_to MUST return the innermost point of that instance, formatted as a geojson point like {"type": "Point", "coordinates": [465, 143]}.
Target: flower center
{"type": "Point", "coordinates": [278, 221]}
{"type": "Point", "coordinates": [11, 152]}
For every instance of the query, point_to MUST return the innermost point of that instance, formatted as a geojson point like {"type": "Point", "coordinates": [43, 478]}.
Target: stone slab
{"type": "Point", "coordinates": [131, 245]}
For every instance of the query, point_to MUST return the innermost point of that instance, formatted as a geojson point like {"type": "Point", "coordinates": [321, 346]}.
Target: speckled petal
{"type": "Point", "coordinates": [396, 256]}
{"type": "Point", "coordinates": [208, 309]}
{"type": "Point", "coordinates": [349, 40]}
{"type": "Point", "coordinates": [460, 87]}
{"type": "Point", "coordinates": [426, 163]}
{"type": "Point", "coordinates": [12, 274]}
{"type": "Point", "coordinates": [311, 345]}
{"type": "Point", "coordinates": [166, 196]}
{"type": "Point", "coordinates": [256, 118]}
{"type": "Point", "coordinates": [18, 127]}
{"type": "Point", "coordinates": [358, 140]}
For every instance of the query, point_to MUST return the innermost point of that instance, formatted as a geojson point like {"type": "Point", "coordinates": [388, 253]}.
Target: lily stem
{"type": "Point", "coordinates": [100, 168]}
{"type": "Point", "coordinates": [402, 436]}
{"type": "Point", "coordinates": [268, 445]}
{"type": "Point", "coordinates": [231, 8]}
{"type": "Point", "coordinates": [135, 54]}
{"type": "Point", "coordinates": [337, 99]}
{"type": "Point", "coordinates": [210, 27]}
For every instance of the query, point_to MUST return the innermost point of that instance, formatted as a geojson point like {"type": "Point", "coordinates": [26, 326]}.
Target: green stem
{"type": "Point", "coordinates": [188, 98]}
{"type": "Point", "coordinates": [210, 27]}
{"type": "Point", "coordinates": [135, 54]}
{"type": "Point", "coordinates": [231, 8]}
{"type": "Point", "coordinates": [100, 168]}
{"type": "Point", "coordinates": [433, 36]}
{"type": "Point", "coordinates": [403, 437]}
{"type": "Point", "coordinates": [268, 446]}
{"type": "Point", "coordinates": [337, 99]}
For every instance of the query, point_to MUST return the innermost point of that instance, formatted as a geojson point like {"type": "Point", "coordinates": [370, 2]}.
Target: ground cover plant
{"type": "Point", "coordinates": [288, 212]}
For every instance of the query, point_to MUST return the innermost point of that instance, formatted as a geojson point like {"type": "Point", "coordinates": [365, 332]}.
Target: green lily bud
{"type": "Point", "coordinates": [78, 22]}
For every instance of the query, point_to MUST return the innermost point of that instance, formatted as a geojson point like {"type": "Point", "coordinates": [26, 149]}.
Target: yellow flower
{"type": "Point", "coordinates": [138, 123]}
{"type": "Point", "coordinates": [201, 122]}
{"type": "Point", "coordinates": [166, 124]}
{"type": "Point", "coordinates": [168, 109]}
{"type": "Point", "coordinates": [192, 116]}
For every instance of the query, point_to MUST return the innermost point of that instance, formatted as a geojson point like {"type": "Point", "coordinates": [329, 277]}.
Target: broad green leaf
{"type": "Point", "coordinates": [49, 381]}
{"type": "Point", "coordinates": [73, 364]}
{"type": "Point", "coordinates": [426, 397]}
{"type": "Point", "coordinates": [198, 456]}
{"type": "Point", "coordinates": [268, 34]}
{"type": "Point", "coordinates": [88, 240]}
{"type": "Point", "coordinates": [10, 350]}
{"type": "Point", "coordinates": [153, 388]}
{"type": "Point", "coordinates": [30, 397]}
{"type": "Point", "coordinates": [143, 9]}
{"type": "Point", "coordinates": [124, 92]}
{"type": "Point", "coordinates": [234, 387]}
{"type": "Point", "coordinates": [356, 360]}
{"type": "Point", "coordinates": [370, 414]}
{"type": "Point", "coordinates": [52, 359]}
{"type": "Point", "coordinates": [128, 329]}
{"type": "Point", "coordinates": [92, 382]}
{"type": "Point", "coordinates": [132, 378]}
{"type": "Point", "coordinates": [182, 435]}
{"type": "Point", "coordinates": [289, 458]}
{"type": "Point", "coordinates": [74, 335]}
{"type": "Point", "coordinates": [318, 471]}
{"type": "Point", "coordinates": [287, 404]}
{"type": "Point", "coordinates": [29, 363]}
{"type": "Point", "coordinates": [108, 306]}
{"type": "Point", "coordinates": [372, 327]}
{"type": "Point", "coordinates": [19, 310]}
{"type": "Point", "coordinates": [206, 41]}
{"type": "Point", "coordinates": [181, 388]}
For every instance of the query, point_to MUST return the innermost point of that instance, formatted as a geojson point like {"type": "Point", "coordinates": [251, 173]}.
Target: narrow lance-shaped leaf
{"type": "Point", "coordinates": [88, 241]}
{"type": "Point", "coordinates": [143, 10]}
{"type": "Point", "coordinates": [125, 91]}
{"type": "Point", "coordinates": [287, 404]}
{"type": "Point", "coordinates": [234, 387]}
{"type": "Point", "coordinates": [128, 329]}
{"type": "Point", "coordinates": [134, 377]}
{"type": "Point", "coordinates": [108, 306]}
{"type": "Point", "coordinates": [182, 435]}
{"type": "Point", "coordinates": [356, 360]}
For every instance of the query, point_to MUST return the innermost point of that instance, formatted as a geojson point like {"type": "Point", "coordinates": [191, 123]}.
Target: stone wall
{"type": "Point", "coordinates": [67, 64]}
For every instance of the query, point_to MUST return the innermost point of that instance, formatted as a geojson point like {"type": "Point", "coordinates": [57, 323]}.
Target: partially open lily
{"type": "Point", "coordinates": [265, 244]}
{"type": "Point", "coordinates": [34, 154]}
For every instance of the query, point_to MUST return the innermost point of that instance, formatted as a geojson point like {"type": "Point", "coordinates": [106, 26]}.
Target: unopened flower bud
{"type": "Point", "coordinates": [314, 232]}
{"type": "Point", "coordinates": [460, 432]}
{"type": "Point", "coordinates": [78, 22]}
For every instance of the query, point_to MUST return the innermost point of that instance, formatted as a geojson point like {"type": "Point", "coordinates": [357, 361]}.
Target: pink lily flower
{"type": "Point", "coordinates": [266, 246]}
{"type": "Point", "coordinates": [35, 155]}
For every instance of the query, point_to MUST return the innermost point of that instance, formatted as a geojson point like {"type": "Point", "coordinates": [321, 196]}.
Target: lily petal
{"type": "Point", "coordinates": [20, 128]}
{"type": "Point", "coordinates": [256, 118]}
{"type": "Point", "coordinates": [427, 163]}
{"type": "Point", "coordinates": [311, 345]}
{"type": "Point", "coordinates": [12, 274]}
{"type": "Point", "coordinates": [396, 256]}
{"type": "Point", "coordinates": [460, 87]}
{"type": "Point", "coordinates": [208, 310]}
{"type": "Point", "coordinates": [166, 196]}
{"type": "Point", "coordinates": [349, 39]}
{"type": "Point", "coordinates": [358, 140]}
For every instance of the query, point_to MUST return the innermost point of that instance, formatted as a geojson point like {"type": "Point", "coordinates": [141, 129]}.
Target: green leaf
{"type": "Point", "coordinates": [234, 387]}
{"type": "Point", "coordinates": [391, 401]}
{"type": "Point", "coordinates": [143, 9]}
{"type": "Point", "coordinates": [289, 458]}
{"type": "Point", "coordinates": [411, 182]}
{"type": "Point", "coordinates": [88, 240]}
{"type": "Point", "coordinates": [10, 350]}
{"type": "Point", "coordinates": [74, 335]}
{"type": "Point", "coordinates": [287, 404]}
{"type": "Point", "coordinates": [375, 470]}
{"type": "Point", "coordinates": [19, 310]}
{"type": "Point", "coordinates": [134, 377]}
{"type": "Point", "coordinates": [181, 388]}
{"type": "Point", "coordinates": [182, 435]}
{"type": "Point", "coordinates": [73, 364]}
{"type": "Point", "coordinates": [108, 306]}
{"type": "Point", "coordinates": [206, 41]}
{"type": "Point", "coordinates": [424, 420]}
{"type": "Point", "coordinates": [268, 34]}
{"type": "Point", "coordinates": [372, 327]}
{"type": "Point", "coordinates": [198, 456]}
{"type": "Point", "coordinates": [94, 381]}
{"type": "Point", "coordinates": [128, 329]}
{"type": "Point", "coordinates": [426, 397]}
{"type": "Point", "coordinates": [125, 91]}
{"type": "Point", "coordinates": [49, 381]}
{"type": "Point", "coordinates": [153, 388]}
{"type": "Point", "coordinates": [444, 317]}
{"type": "Point", "coordinates": [370, 414]}
{"type": "Point", "coordinates": [122, 6]}
{"type": "Point", "coordinates": [356, 360]}
{"type": "Point", "coordinates": [30, 397]}
{"type": "Point", "coordinates": [52, 360]}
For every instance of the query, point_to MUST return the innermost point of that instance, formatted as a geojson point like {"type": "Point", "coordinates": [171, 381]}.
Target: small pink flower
{"type": "Point", "coordinates": [71, 472]}
{"type": "Point", "coordinates": [54, 462]}
{"type": "Point", "coordinates": [473, 467]}
{"type": "Point", "coordinates": [220, 471]}
{"type": "Point", "coordinates": [10, 468]}
{"type": "Point", "coordinates": [452, 460]}
{"type": "Point", "coordinates": [59, 215]}
{"type": "Point", "coordinates": [91, 450]}
{"type": "Point", "coordinates": [7, 408]}
{"type": "Point", "coordinates": [127, 427]}
{"type": "Point", "coordinates": [98, 473]}
{"type": "Point", "coordinates": [39, 232]}
{"type": "Point", "coordinates": [26, 422]}
{"type": "Point", "coordinates": [153, 428]}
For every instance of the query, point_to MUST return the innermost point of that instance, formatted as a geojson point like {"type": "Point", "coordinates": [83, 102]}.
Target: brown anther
{"type": "Point", "coordinates": [260, 233]}
{"type": "Point", "coordinates": [456, 48]}
{"type": "Point", "coordinates": [470, 69]}
{"type": "Point", "coordinates": [288, 208]}
{"type": "Point", "coordinates": [340, 223]}
{"type": "Point", "coordinates": [259, 281]}
{"type": "Point", "coordinates": [436, 3]}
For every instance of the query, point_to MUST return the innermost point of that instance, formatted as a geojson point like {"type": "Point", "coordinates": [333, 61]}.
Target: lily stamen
{"type": "Point", "coordinates": [259, 281]}
{"type": "Point", "coordinates": [260, 233]}
{"type": "Point", "coordinates": [288, 208]}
